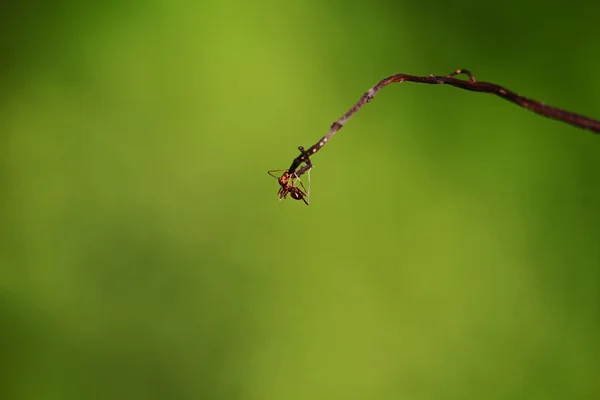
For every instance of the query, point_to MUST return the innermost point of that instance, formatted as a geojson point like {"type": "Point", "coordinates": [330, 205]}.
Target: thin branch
{"type": "Point", "coordinates": [537, 107]}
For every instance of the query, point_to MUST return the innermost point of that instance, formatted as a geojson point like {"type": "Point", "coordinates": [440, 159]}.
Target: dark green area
{"type": "Point", "coordinates": [451, 250]}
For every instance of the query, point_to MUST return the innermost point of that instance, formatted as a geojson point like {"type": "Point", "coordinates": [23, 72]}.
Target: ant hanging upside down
{"type": "Point", "coordinates": [288, 179]}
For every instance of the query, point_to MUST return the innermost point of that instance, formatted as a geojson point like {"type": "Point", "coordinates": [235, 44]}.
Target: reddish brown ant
{"type": "Point", "coordinates": [286, 183]}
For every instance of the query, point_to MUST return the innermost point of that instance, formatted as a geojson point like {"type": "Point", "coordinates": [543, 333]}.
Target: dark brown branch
{"type": "Point", "coordinates": [471, 84]}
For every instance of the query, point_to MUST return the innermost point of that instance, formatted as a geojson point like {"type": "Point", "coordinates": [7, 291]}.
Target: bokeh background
{"type": "Point", "coordinates": [451, 250]}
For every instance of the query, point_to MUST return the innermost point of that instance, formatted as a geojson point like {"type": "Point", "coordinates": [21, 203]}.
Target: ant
{"type": "Point", "coordinates": [286, 181]}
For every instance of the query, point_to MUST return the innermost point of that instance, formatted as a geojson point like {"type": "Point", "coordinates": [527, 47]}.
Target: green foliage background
{"type": "Point", "coordinates": [452, 249]}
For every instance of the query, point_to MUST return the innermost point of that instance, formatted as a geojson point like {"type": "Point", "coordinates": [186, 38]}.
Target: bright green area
{"type": "Point", "coordinates": [451, 250]}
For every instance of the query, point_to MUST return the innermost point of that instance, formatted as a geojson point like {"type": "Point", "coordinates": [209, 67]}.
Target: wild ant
{"type": "Point", "coordinates": [286, 183]}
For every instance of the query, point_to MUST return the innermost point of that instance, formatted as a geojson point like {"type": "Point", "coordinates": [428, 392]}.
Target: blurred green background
{"type": "Point", "coordinates": [451, 250]}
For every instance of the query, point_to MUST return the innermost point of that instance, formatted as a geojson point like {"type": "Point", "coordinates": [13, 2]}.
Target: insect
{"type": "Point", "coordinates": [287, 182]}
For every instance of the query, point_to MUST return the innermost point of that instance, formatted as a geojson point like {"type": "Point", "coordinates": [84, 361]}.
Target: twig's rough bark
{"type": "Point", "coordinates": [471, 84]}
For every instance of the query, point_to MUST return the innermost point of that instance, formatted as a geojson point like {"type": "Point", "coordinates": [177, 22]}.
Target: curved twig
{"type": "Point", "coordinates": [473, 85]}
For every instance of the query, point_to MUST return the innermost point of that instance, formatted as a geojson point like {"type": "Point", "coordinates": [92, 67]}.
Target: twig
{"type": "Point", "coordinates": [471, 84]}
